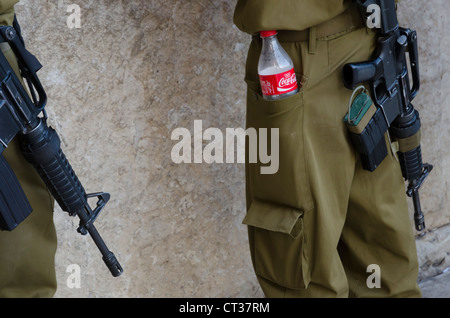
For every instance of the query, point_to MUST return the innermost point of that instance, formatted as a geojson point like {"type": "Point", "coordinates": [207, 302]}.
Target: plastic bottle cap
{"type": "Point", "coordinates": [265, 34]}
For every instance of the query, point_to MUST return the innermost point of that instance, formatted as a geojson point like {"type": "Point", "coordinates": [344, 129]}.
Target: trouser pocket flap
{"type": "Point", "coordinates": [277, 244]}
{"type": "Point", "coordinates": [274, 217]}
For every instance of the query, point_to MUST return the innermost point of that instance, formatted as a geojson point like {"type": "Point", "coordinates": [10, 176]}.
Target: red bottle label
{"type": "Point", "coordinates": [277, 84]}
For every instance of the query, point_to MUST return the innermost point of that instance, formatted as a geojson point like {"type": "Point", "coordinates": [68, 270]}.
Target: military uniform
{"type": "Point", "coordinates": [27, 253]}
{"type": "Point", "coordinates": [319, 225]}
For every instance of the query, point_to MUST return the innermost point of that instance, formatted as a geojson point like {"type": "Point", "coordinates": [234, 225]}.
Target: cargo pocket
{"type": "Point", "coordinates": [288, 183]}
{"type": "Point", "coordinates": [277, 244]}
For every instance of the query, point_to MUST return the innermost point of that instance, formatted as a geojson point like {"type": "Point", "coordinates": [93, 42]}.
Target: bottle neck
{"type": "Point", "coordinates": [273, 55]}
{"type": "Point", "coordinates": [270, 42]}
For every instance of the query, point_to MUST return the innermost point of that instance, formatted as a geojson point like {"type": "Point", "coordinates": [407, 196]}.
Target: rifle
{"type": "Point", "coordinates": [23, 113]}
{"type": "Point", "coordinates": [388, 77]}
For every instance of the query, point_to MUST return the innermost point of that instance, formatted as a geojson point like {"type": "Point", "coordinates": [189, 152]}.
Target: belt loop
{"type": "Point", "coordinates": [312, 40]}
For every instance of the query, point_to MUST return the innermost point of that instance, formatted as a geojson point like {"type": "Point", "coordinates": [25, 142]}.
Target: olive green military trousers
{"type": "Point", "coordinates": [321, 226]}
{"type": "Point", "coordinates": [27, 266]}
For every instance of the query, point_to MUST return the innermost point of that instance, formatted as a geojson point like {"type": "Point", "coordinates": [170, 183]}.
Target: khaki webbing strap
{"type": "Point", "coordinates": [358, 129]}
{"type": "Point", "coordinates": [409, 143]}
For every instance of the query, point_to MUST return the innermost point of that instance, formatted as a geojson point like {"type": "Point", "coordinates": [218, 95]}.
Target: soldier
{"type": "Point", "coordinates": [27, 253]}
{"type": "Point", "coordinates": [322, 226]}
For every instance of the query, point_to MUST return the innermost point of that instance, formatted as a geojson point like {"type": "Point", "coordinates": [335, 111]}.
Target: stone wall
{"type": "Point", "coordinates": [120, 84]}
{"type": "Point", "coordinates": [430, 20]}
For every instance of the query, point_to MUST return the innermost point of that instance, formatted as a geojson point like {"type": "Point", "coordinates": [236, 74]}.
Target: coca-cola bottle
{"type": "Point", "coordinates": [275, 69]}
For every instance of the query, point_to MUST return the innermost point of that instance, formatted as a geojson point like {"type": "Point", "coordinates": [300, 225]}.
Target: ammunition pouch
{"type": "Point", "coordinates": [367, 126]}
